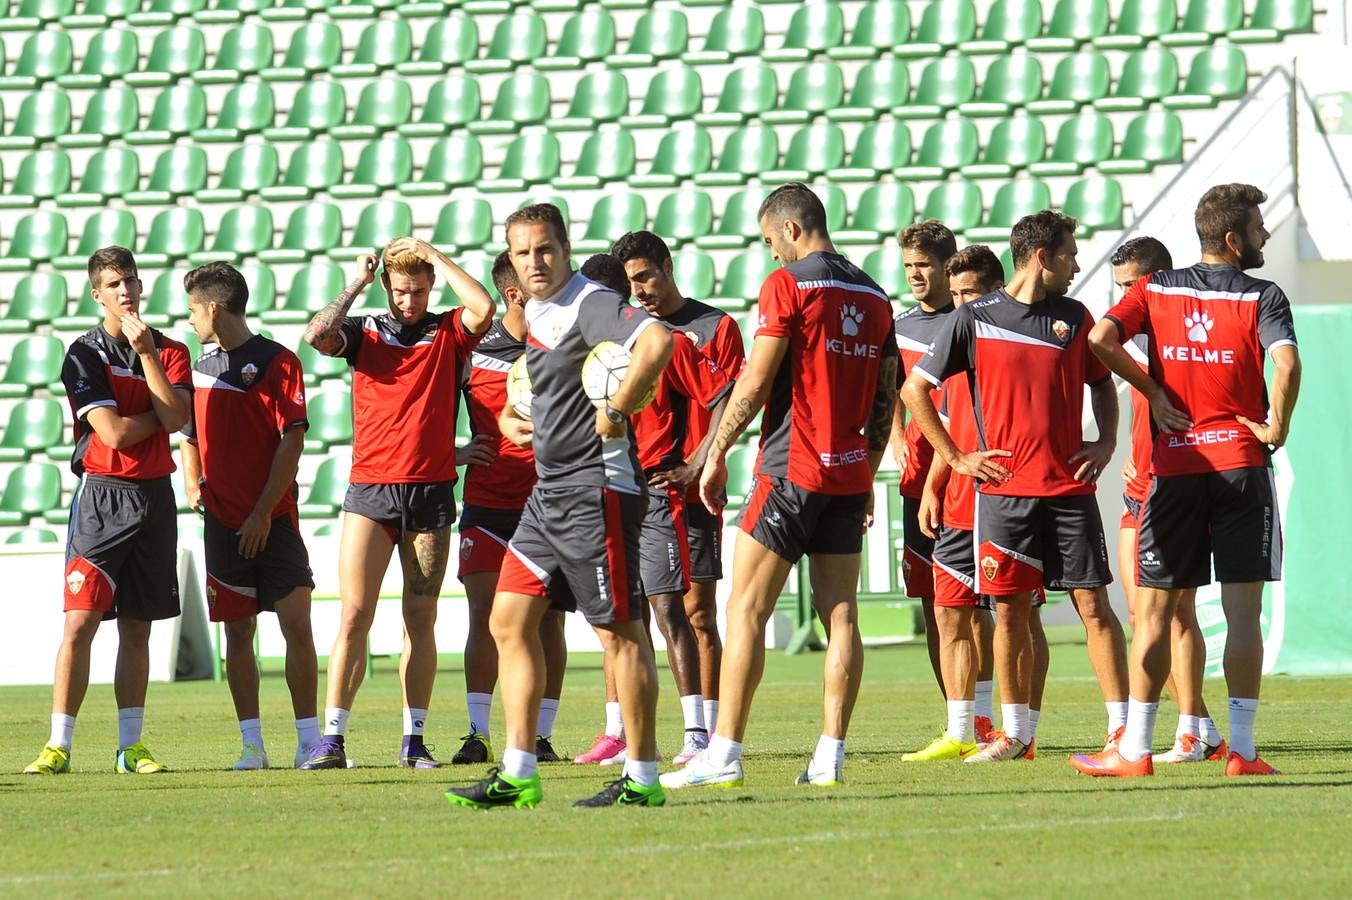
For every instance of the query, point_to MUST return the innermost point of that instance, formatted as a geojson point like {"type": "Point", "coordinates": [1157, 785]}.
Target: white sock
{"type": "Point", "coordinates": [614, 720]}
{"type": "Point", "coordinates": [710, 715]}
{"type": "Point", "coordinates": [645, 773]}
{"type": "Point", "coordinates": [1140, 733]}
{"type": "Point", "coordinates": [1187, 725]}
{"type": "Point", "coordinates": [723, 752]}
{"type": "Point", "coordinates": [692, 707]}
{"type": "Point", "coordinates": [960, 714]}
{"type": "Point", "coordinates": [1117, 714]}
{"type": "Point", "coordinates": [830, 754]}
{"type": "Point", "coordinates": [985, 694]}
{"type": "Point", "coordinates": [519, 763]}
{"type": "Point", "coordinates": [415, 720]}
{"type": "Point", "coordinates": [480, 708]}
{"type": "Point", "coordinates": [1211, 735]}
{"type": "Point", "coordinates": [335, 721]}
{"type": "Point", "coordinates": [549, 711]}
{"type": "Point", "coordinates": [132, 718]}
{"type": "Point", "coordinates": [1033, 716]}
{"type": "Point", "coordinates": [63, 730]}
{"type": "Point", "coordinates": [1242, 714]}
{"type": "Point", "coordinates": [252, 731]}
{"type": "Point", "coordinates": [1014, 721]}
{"type": "Point", "coordinates": [307, 732]}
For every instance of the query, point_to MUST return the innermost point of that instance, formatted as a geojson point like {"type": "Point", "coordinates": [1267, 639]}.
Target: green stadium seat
{"type": "Point", "coordinates": [747, 152]}
{"type": "Point", "coordinates": [42, 175]}
{"type": "Point", "coordinates": [248, 170]}
{"type": "Point", "coordinates": [164, 302]}
{"type": "Point", "coordinates": [384, 105]}
{"type": "Point", "coordinates": [228, 11]}
{"type": "Point", "coordinates": [245, 50]}
{"type": "Point", "coordinates": [945, 84]}
{"type": "Point", "coordinates": [884, 265]}
{"type": "Point", "coordinates": [736, 30]}
{"type": "Point", "coordinates": [880, 85]}
{"type": "Point", "coordinates": [1078, 80]}
{"type": "Point", "coordinates": [750, 90]}
{"type": "Point", "coordinates": [43, 116]}
{"type": "Point", "coordinates": [311, 230]}
{"type": "Point", "coordinates": [39, 298]}
{"type": "Point", "coordinates": [684, 152]}
{"type": "Point", "coordinates": [588, 36]}
{"type": "Point", "coordinates": [1148, 76]}
{"type": "Point", "coordinates": [247, 109]}
{"type": "Point", "coordinates": [684, 216]}
{"type": "Point", "coordinates": [165, 12]}
{"type": "Point", "coordinates": [1073, 23]}
{"type": "Point", "coordinates": [741, 468]}
{"type": "Point", "coordinates": [111, 172]}
{"type": "Point", "coordinates": [174, 234]}
{"type": "Point", "coordinates": [1014, 144]}
{"type": "Point", "coordinates": [464, 224]}
{"type": "Point", "coordinates": [39, 237]}
{"type": "Point", "coordinates": [658, 34]}
{"type": "Point", "coordinates": [1140, 22]}
{"type": "Point", "coordinates": [452, 103]}
{"type": "Point", "coordinates": [835, 203]}
{"type": "Point", "coordinates": [814, 150]}
{"type": "Point", "coordinates": [881, 26]}
{"type": "Point", "coordinates": [106, 228]}
{"type": "Point", "coordinates": [295, 10]}
{"type": "Point", "coordinates": [601, 96]}
{"type": "Point", "coordinates": [1008, 23]}
{"type": "Point", "coordinates": [944, 24]}
{"type": "Point", "coordinates": [880, 213]}
{"type": "Point", "coordinates": [616, 213]}
{"type": "Point", "coordinates": [330, 415]}
{"type": "Point", "coordinates": [1096, 203]}
{"type": "Point", "coordinates": [110, 114]}
{"type": "Point", "coordinates": [523, 99]}
{"type": "Point", "coordinates": [451, 41]}
{"type": "Point", "coordinates": [30, 490]}
{"type": "Point", "coordinates": [318, 367]}
{"type": "Point", "coordinates": [110, 55]}
{"type": "Point", "coordinates": [881, 147]}
{"type": "Point", "coordinates": [694, 272]}
{"type": "Point", "coordinates": [1083, 141]}
{"type": "Point", "coordinates": [33, 536]}
{"type": "Point", "coordinates": [1273, 19]}
{"type": "Point", "coordinates": [178, 112]}
{"type": "Point", "coordinates": [1216, 74]}
{"type": "Point", "coordinates": [813, 90]}
{"type": "Point", "coordinates": [382, 165]}
{"type": "Point", "coordinates": [453, 161]}
{"type": "Point", "coordinates": [518, 40]}
{"type": "Point", "coordinates": [605, 156]}
{"type": "Point", "coordinates": [814, 28]}
{"type": "Point", "coordinates": [947, 147]}
{"type": "Point", "coordinates": [35, 363]}
{"type": "Point", "coordinates": [262, 286]}
{"type": "Point", "coordinates": [742, 281]}
{"type": "Point", "coordinates": [45, 56]}
{"type": "Point", "coordinates": [1013, 201]}
{"type": "Point", "coordinates": [319, 106]}
{"type": "Point", "coordinates": [1151, 139]}
{"type": "Point", "coordinates": [315, 47]}
{"type": "Point", "coordinates": [739, 226]}
{"type": "Point", "coordinates": [1010, 82]}
{"type": "Point", "coordinates": [313, 167]}
{"type": "Point", "coordinates": [30, 15]}
{"type": "Point", "coordinates": [384, 44]}
{"type": "Point", "coordinates": [955, 203]}
{"type": "Point", "coordinates": [377, 224]}
{"type": "Point", "coordinates": [532, 158]}
{"type": "Point", "coordinates": [312, 288]}
{"type": "Point", "coordinates": [245, 231]}
{"type": "Point", "coordinates": [673, 94]}
{"type": "Point", "coordinates": [329, 487]}
{"type": "Point", "coordinates": [1204, 21]}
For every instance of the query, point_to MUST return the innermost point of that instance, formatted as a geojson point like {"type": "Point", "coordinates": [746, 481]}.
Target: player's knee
{"type": "Point", "coordinates": [81, 626]}
{"type": "Point", "coordinates": [133, 631]}
{"type": "Point", "coordinates": [240, 632]}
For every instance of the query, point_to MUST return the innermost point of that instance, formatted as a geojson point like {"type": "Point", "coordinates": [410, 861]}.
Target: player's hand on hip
{"type": "Point", "coordinates": [931, 507]}
{"type": "Point", "coordinates": [365, 270]}
{"type": "Point", "coordinates": [518, 431]}
{"type": "Point", "coordinates": [678, 477]}
{"type": "Point", "coordinates": [1167, 416]}
{"type": "Point", "coordinates": [1265, 431]}
{"type": "Point", "coordinates": [478, 452]}
{"type": "Point", "coordinates": [981, 464]}
{"type": "Point", "coordinates": [1129, 470]}
{"type": "Point", "coordinates": [713, 481]}
{"type": "Point", "coordinates": [608, 429]}
{"type": "Point", "coordinates": [138, 334]}
{"type": "Point", "coordinates": [1093, 458]}
{"type": "Point", "coordinates": [253, 534]}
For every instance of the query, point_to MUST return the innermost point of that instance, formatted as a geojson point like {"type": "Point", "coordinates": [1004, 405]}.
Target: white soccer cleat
{"type": "Point", "coordinates": [1002, 748]}
{"type": "Point", "coordinates": [696, 739]}
{"type": "Point", "coordinates": [821, 777]}
{"type": "Point", "coordinates": [1186, 748]}
{"type": "Point", "coordinates": [699, 772]}
{"type": "Point", "coordinates": [251, 758]}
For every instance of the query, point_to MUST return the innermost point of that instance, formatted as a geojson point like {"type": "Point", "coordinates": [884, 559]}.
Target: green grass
{"type": "Point", "coordinates": [1026, 829]}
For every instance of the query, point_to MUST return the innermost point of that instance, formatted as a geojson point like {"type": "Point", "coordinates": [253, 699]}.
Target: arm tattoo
{"type": "Point", "coordinates": [735, 420]}
{"type": "Point", "coordinates": [323, 331]}
{"type": "Point", "coordinates": [879, 427]}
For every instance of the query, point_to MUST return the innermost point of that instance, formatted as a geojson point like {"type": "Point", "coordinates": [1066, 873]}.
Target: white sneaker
{"type": "Point", "coordinates": [821, 777]}
{"type": "Point", "coordinates": [1186, 748]}
{"type": "Point", "coordinates": [1002, 748]}
{"type": "Point", "coordinates": [251, 757]}
{"type": "Point", "coordinates": [695, 741]}
{"type": "Point", "coordinates": [700, 772]}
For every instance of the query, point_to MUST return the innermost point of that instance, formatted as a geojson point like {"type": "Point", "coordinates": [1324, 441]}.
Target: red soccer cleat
{"type": "Point", "coordinates": [984, 728]}
{"type": "Point", "coordinates": [1217, 753]}
{"type": "Point", "coordinates": [1237, 765]}
{"type": "Point", "coordinates": [1111, 763]}
{"type": "Point", "coordinates": [1114, 739]}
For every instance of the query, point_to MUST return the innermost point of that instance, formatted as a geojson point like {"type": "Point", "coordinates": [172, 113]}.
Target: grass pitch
{"type": "Point", "coordinates": [1033, 828]}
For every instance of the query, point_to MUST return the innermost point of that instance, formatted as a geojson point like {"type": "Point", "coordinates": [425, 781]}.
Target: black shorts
{"type": "Point", "coordinates": [1025, 543]}
{"type": "Point", "coordinates": [791, 521]}
{"type": "Point", "coordinates": [664, 550]}
{"type": "Point", "coordinates": [917, 553]}
{"type": "Point", "coordinates": [704, 531]}
{"type": "Point", "coordinates": [584, 540]}
{"type": "Point", "coordinates": [404, 508]}
{"type": "Point", "coordinates": [239, 588]}
{"type": "Point", "coordinates": [484, 535]}
{"type": "Point", "coordinates": [122, 549]}
{"type": "Point", "coordinates": [1187, 521]}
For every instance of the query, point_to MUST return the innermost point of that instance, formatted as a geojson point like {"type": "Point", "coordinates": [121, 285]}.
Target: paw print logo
{"type": "Point", "coordinates": [850, 320]}
{"type": "Point", "coordinates": [1199, 326]}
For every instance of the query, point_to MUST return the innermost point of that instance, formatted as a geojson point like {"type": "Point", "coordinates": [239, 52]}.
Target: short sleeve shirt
{"type": "Point", "coordinates": [915, 329]}
{"type": "Point", "coordinates": [507, 483]}
{"type": "Point", "coordinates": [690, 381]}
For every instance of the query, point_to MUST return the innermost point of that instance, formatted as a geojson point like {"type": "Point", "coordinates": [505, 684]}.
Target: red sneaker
{"type": "Point", "coordinates": [604, 748]}
{"type": "Point", "coordinates": [1110, 762]}
{"type": "Point", "coordinates": [1236, 765]}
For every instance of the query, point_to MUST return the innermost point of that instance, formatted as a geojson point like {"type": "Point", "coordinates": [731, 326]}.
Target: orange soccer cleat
{"type": "Point", "coordinates": [1111, 763]}
{"type": "Point", "coordinates": [1237, 765]}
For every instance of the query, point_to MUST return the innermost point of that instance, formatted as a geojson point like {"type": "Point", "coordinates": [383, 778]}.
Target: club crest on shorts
{"type": "Point", "coordinates": [211, 596]}
{"type": "Point", "coordinates": [989, 567]}
{"type": "Point", "coordinates": [906, 569]}
{"type": "Point", "coordinates": [1061, 330]}
{"type": "Point", "coordinates": [466, 547]}
{"type": "Point", "coordinates": [75, 581]}
{"type": "Point", "coordinates": [248, 373]}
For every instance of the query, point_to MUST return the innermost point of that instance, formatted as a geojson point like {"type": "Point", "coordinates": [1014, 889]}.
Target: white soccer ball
{"type": "Point", "coordinates": [603, 372]}
{"type": "Point", "coordinates": [519, 392]}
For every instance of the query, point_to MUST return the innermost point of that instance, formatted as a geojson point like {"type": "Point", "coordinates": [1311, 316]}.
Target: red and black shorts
{"type": "Point", "coordinates": [484, 535]}
{"type": "Point", "coordinates": [917, 553]}
{"type": "Point", "coordinates": [664, 549]}
{"type": "Point", "coordinates": [239, 588]}
{"type": "Point", "coordinates": [954, 568]}
{"type": "Point", "coordinates": [1131, 512]}
{"type": "Point", "coordinates": [1189, 522]}
{"type": "Point", "coordinates": [122, 549]}
{"type": "Point", "coordinates": [584, 540]}
{"type": "Point", "coordinates": [791, 521]}
{"type": "Point", "coordinates": [704, 531]}
{"type": "Point", "coordinates": [1026, 543]}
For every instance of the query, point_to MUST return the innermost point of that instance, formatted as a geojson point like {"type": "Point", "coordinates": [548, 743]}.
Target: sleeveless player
{"type": "Point", "coordinates": [825, 338]}
{"type": "Point", "coordinates": [129, 388]}
{"type": "Point", "coordinates": [581, 523]}
{"type": "Point", "coordinates": [1213, 498]}
{"type": "Point", "coordinates": [405, 367]}
{"type": "Point", "coordinates": [242, 448]}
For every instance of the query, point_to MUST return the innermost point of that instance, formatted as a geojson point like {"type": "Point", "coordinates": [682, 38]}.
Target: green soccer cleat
{"type": "Point", "coordinates": [52, 760]}
{"type": "Point", "coordinates": [498, 790]}
{"type": "Point", "coordinates": [136, 760]}
{"type": "Point", "coordinates": [942, 747]}
{"type": "Point", "coordinates": [625, 792]}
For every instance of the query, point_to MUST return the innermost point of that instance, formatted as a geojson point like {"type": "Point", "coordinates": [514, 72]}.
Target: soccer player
{"type": "Point", "coordinates": [1197, 737]}
{"type": "Point", "coordinates": [1037, 523]}
{"type": "Point", "coordinates": [1213, 497]}
{"type": "Point", "coordinates": [824, 364]}
{"type": "Point", "coordinates": [581, 523]}
{"type": "Point", "coordinates": [129, 388]}
{"type": "Point", "coordinates": [242, 448]}
{"type": "Point", "coordinates": [406, 365]}
{"type": "Point", "coordinates": [498, 478]}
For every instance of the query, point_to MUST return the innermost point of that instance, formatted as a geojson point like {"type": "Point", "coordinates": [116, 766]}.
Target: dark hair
{"type": "Point", "coordinates": [221, 283]}
{"type": "Point", "coordinates": [1148, 253]}
{"type": "Point", "coordinates": [504, 274]}
{"type": "Point", "coordinates": [1045, 230]}
{"type": "Point", "coordinates": [119, 259]}
{"type": "Point", "coordinates": [540, 214]}
{"type": "Point", "coordinates": [980, 259]}
{"type": "Point", "coordinates": [609, 271]}
{"type": "Point", "coordinates": [795, 201]}
{"type": "Point", "coordinates": [930, 236]}
{"type": "Point", "coordinates": [641, 245]}
{"type": "Point", "coordinates": [1225, 209]}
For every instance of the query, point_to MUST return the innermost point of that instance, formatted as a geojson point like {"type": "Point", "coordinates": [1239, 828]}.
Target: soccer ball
{"type": "Point", "coordinates": [519, 392]}
{"type": "Point", "coordinates": [603, 372]}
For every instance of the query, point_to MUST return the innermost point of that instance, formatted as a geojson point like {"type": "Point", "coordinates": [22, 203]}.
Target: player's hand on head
{"type": "Point", "coordinates": [713, 481]}
{"type": "Point", "coordinates": [478, 452]}
{"type": "Point", "coordinates": [931, 507]}
{"type": "Point", "coordinates": [366, 267]}
{"type": "Point", "coordinates": [253, 534]}
{"type": "Point", "coordinates": [981, 464]}
{"type": "Point", "coordinates": [1093, 458]}
{"type": "Point", "coordinates": [1167, 416]}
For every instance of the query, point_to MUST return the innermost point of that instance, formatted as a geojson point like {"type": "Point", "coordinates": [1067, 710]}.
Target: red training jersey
{"type": "Point", "coordinates": [689, 381]}
{"type": "Point", "coordinates": [507, 483]}
{"type": "Point", "coordinates": [915, 329]}
{"type": "Point", "coordinates": [1142, 439]}
{"type": "Point", "coordinates": [959, 510]}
